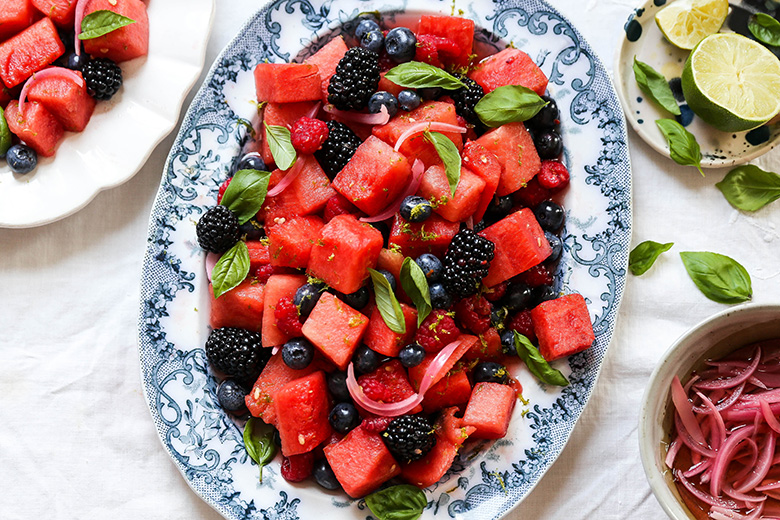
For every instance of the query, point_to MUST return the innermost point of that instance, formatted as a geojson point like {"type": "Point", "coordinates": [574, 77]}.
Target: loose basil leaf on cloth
{"type": "Point", "coordinates": [386, 302]}
{"type": "Point", "coordinates": [415, 74]}
{"type": "Point", "coordinates": [401, 502]}
{"type": "Point", "coordinates": [750, 188]}
{"type": "Point", "coordinates": [5, 134]}
{"type": "Point", "coordinates": [246, 193]}
{"type": "Point", "coordinates": [260, 448]}
{"type": "Point", "coordinates": [508, 104]}
{"type": "Point", "coordinates": [645, 254]}
{"type": "Point", "coordinates": [231, 269]}
{"type": "Point", "coordinates": [765, 28]}
{"type": "Point", "coordinates": [448, 154]}
{"type": "Point", "coordinates": [415, 285]}
{"type": "Point", "coordinates": [102, 22]}
{"type": "Point", "coordinates": [720, 278]}
{"type": "Point", "coordinates": [536, 363]}
{"type": "Point", "coordinates": [280, 144]}
{"type": "Point", "coordinates": [683, 147]}
{"type": "Point", "coordinates": [655, 86]}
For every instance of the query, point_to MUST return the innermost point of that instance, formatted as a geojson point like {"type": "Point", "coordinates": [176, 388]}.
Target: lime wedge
{"type": "Point", "coordinates": [687, 22]}
{"type": "Point", "coordinates": [732, 82]}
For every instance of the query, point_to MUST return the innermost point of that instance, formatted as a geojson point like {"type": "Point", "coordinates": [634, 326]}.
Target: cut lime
{"type": "Point", "coordinates": [732, 82]}
{"type": "Point", "coordinates": [687, 22]}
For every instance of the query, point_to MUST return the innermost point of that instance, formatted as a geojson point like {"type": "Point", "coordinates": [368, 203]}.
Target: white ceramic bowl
{"type": "Point", "coordinates": [712, 338]}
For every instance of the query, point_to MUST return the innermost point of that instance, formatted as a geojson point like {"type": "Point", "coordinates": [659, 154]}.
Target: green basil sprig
{"type": "Point", "coordinates": [765, 28]}
{"type": "Point", "coordinates": [5, 134]}
{"type": "Point", "coordinates": [231, 269]}
{"type": "Point", "coordinates": [415, 74]}
{"type": "Point", "coordinates": [718, 277]}
{"type": "Point", "coordinates": [402, 502]}
{"type": "Point", "coordinates": [655, 86]}
{"type": "Point", "coordinates": [750, 188]}
{"type": "Point", "coordinates": [536, 363]}
{"type": "Point", "coordinates": [260, 448]}
{"type": "Point", "coordinates": [645, 254]}
{"type": "Point", "coordinates": [449, 155]}
{"type": "Point", "coordinates": [280, 144]}
{"type": "Point", "coordinates": [246, 193]}
{"type": "Point", "coordinates": [683, 148]}
{"type": "Point", "coordinates": [387, 303]}
{"type": "Point", "coordinates": [415, 285]}
{"type": "Point", "coordinates": [102, 22]}
{"type": "Point", "coordinates": [508, 104]}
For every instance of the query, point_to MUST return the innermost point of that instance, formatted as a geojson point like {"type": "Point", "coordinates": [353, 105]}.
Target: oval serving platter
{"type": "Point", "coordinates": [487, 479]}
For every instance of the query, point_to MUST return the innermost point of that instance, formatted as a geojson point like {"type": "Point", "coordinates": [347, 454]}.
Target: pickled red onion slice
{"type": "Point", "coordinates": [81, 5]}
{"type": "Point", "coordinates": [733, 381]}
{"type": "Point", "coordinates": [429, 125]}
{"type": "Point", "coordinates": [380, 118]}
{"type": "Point", "coordinates": [724, 456]}
{"type": "Point", "coordinates": [313, 112]}
{"type": "Point", "coordinates": [701, 495]}
{"type": "Point", "coordinates": [418, 168]}
{"type": "Point", "coordinates": [211, 261]}
{"type": "Point", "coordinates": [769, 417]}
{"type": "Point", "coordinates": [685, 411]}
{"type": "Point", "coordinates": [288, 179]}
{"type": "Point", "coordinates": [49, 72]}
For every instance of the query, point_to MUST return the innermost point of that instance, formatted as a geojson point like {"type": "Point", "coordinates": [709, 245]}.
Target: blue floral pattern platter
{"type": "Point", "coordinates": [487, 479]}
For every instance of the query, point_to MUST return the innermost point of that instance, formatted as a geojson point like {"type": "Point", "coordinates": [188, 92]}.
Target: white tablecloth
{"type": "Point", "coordinates": [76, 438]}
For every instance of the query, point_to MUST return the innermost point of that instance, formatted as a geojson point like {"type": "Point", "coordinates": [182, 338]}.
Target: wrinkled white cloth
{"type": "Point", "coordinates": [76, 437]}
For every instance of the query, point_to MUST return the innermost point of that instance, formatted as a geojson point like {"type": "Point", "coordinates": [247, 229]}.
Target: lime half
{"type": "Point", "coordinates": [687, 22]}
{"type": "Point", "coordinates": [732, 82]}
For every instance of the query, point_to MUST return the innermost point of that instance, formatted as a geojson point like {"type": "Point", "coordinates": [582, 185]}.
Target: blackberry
{"type": "Point", "coordinates": [409, 437]}
{"type": "Point", "coordinates": [466, 99]}
{"type": "Point", "coordinates": [237, 352]}
{"type": "Point", "coordinates": [466, 263]}
{"type": "Point", "coordinates": [217, 230]}
{"type": "Point", "coordinates": [103, 78]}
{"type": "Point", "coordinates": [356, 78]}
{"type": "Point", "coordinates": [337, 149]}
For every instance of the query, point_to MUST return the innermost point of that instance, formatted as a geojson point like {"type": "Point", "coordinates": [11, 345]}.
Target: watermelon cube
{"type": "Point", "coordinates": [259, 254]}
{"type": "Point", "coordinates": [327, 59]}
{"type": "Point", "coordinates": [520, 245]}
{"type": "Point", "coordinates": [61, 12]}
{"type": "Point", "coordinates": [306, 195]}
{"type": "Point", "coordinates": [485, 165]}
{"type": "Point", "coordinates": [277, 287]}
{"type": "Point", "coordinates": [335, 329]}
{"type": "Point", "coordinates": [416, 373]}
{"type": "Point", "coordinates": [287, 82]}
{"type": "Point", "coordinates": [343, 253]}
{"type": "Point", "coordinates": [380, 338]}
{"type": "Point", "coordinates": [509, 67]}
{"type": "Point", "coordinates": [489, 410]}
{"type": "Point", "coordinates": [458, 30]}
{"type": "Point", "coordinates": [68, 102]}
{"type": "Point", "coordinates": [290, 242]}
{"type": "Point", "coordinates": [391, 261]}
{"type": "Point", "coordinates": [488, 348]}
{"type": "Point", "coordinates": [431, 468]}
{"type": "Point", "coordinates": [29, 51]}
{"type": "Point", "coordinates": [37, 127]}
{"type": "Point", "coordinates": [388, 86]}
{"type": "Point", "coordinates": [563, 326]}
{"type": "Point", "coordinates": [432, 236]}
{"type": "Point", "coordinates": [454, 389]}
{"type": "Point", "coordinates": [281, 114]}
{"type": "Point", "coordinates": [389, 383]}
{"type": "Point", "coordinates": [451, 428]}
{"type": "Point", "coordinates": [361, 462]}
{"type": "Point", "coordinates": [436, 188]}
{"type": "Point", "coordinates": [240, 307]}
{"type": "Point", "coordinates": [514, 148]}
{"type": "Point", "coordinates": [125, 43]}
{"type": "Point", "coordinates": [374, 177]}
{"type": "Point", "coordinates": [302, 408]}
{"type": "Point", "coordinates": [15, 16]}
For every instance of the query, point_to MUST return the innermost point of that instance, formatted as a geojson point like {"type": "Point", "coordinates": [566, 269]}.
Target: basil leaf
{"type": "Point", "coordinates": [260, 448]}
{"type": "Point", "coordinates": [645, 254]}
{"type": "Point", "coordinates": [231, 269]}
{"type": "Point", "coordinates": [401, 502]}
{"type": "Point", "coordinates": [536, 363]}
{"type": "Point", "coordinates": [246, 193]}
{"type": "Point", "coordinates": [749, 187]}
{"type": "Point", "coordinates": [281, 146]}
{"type": "Point", "coordinates": [415, 74]}
{"type": "Point", "coordinates": [98, 23]}
{"type": "Point", "coordinates": [508, 104]}
{"type": "Point", "coordinates": [415, 285]}
{"type": "Point", "coordinates": [449, 155]}
{"type": "Point", "coordinates": [386, 302]}
{"type": "Point", "coordinates": [5, 134]}
{"type": "Point", "coordinates": [683, 147]}
{"type": "Point", "coordinates": [655, 86]}
{"type": "Point", "coordinates": [765, 28]}
{"type": "Point", "coordinates": [720, 278]}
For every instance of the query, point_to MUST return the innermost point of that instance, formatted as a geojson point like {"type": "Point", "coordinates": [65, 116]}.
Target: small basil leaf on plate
{"type": "Point", "coordinates": [536, 363]}
{"type": "Point", "coordinates": [386, 302]}
{"type": "Point", "coordinates": [750, 188]}
{"type": "Point", "coordinates": [448, 154]}
{"type": "Point", "coordinates": [5, 134]}
{"type": "Point", "coordinates": [259, 447]}
{"type": "Point", "coordinates": [415, 285]}
{"type": "Point", "coordinates": [645, 254]}
{"type": "Point", "coordinates": [655, 86]}
{"type": "Point", "coordinates": [280, 144]}
{"type": "Point", "coordinates": [99, 23]}
{"type": "Point", "coordinates": [246, 193]}
{"type": "Point", "coordinates": [401, 502]}
{"type": "Point", "coordinates": [683, 148]}
{"type": "Point", "coordinates": [765, 28]}
{"type": "Point", "coordinates": [508, 104]}
{"type": "Point", "coordinates": [231, 269]}
{"type": "Point", "coordinates": [718, 277]}
{"type": "Point", "coordinates": [415, 74]}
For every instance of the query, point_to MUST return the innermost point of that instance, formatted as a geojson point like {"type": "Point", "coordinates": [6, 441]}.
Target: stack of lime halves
{"type": "Point", "coordinates": [729, 81]}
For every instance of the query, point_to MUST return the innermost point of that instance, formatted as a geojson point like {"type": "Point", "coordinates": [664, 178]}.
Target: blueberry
{"type": "Point", "coordinates": [298, 353]}
{"type": "Point", "coordinates": [344, 417]}
{"type": "Point", "coordinates": [675, 85]}
{"type": "Point", "coordinates": [415, 209]}
{"type": "Point", "coordinates": [373, 41]}
{"type": "Point", "coordinates": [550, 215]}
{"type": "Point", "coordinates": [556, 245]}
{"type": "Point", "coordinates": [508, 343]}
{"type": "Point", "coordinates": [498, 317]}
{"type": "Point", "coordinates": [231, 396]}
{"type": "Point", "coordinates": [490, 372]}
{"type": "Point", "coordinates": [307, 296]}
{"type": "Point", "coordinates": [401, 44]}
{"type": "Point", "coordinates": [382, 98]}
{"type": "Point", "coordinates": [408, 100]}
{"type": "Point", "coordinates": [686, 115]}
{"type": "Point", "coordinates": [366, 360]}
{"type": "Point", "coordinates": [358, 299]}
{"type": "Point", "coordinates": [543, 293]}
{"type": "Point", "coordinates": [549, 144]}
{"type": "Point", "coordinates": [517, 297]}
{"type": "Point", "coordinates": [390, 278]}
{"type": "Point", "coordinates": [411, 355]}
{"type": "Point", "coordinates": [21, 158]}
{"type": "Point", "coordinates": [253, 229]}
{"type": "Point", "coordinates": [365, 27]}
{"type": "Point", "coordinates": [547, 117]}
{"type": "Point", "coordinates": [431, 266]}
{"type": "Point", "coordinates": [498, 208]}
{"type": "Point", "coordinates": [440, 298]}
{"type": "Point", "coordinates": [277, 438]}
{"type": "Point", "coordinates": [251, 161]}
{"type": "Point", "coordinates": [324, 475]}
{"type": "Point", "coordinates": [430, 93]}
{"type": "Point", "coordinates": [76, 61]}
{"type": "Point", "coordinates": [337, 386]}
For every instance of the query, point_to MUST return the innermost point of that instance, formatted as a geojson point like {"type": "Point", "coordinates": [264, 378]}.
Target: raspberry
{"type": "Point", "coordinates": [388, 383]}
{"type": "Point", "coordinates": [297, 468]}
{"type": "Point", "coordinates": [339, 205]}
{"type": "Point", "coordinates": [496, 292]}
{"type": "Point", "coordinates": [287, 319]}
{"type": "Point", "coordinates": [308, 134]}
{"type": "Point", "coordinates": [553, 175]}
{"type": "Point", "coordinates": [386, 62]}
{"type": "Point", "coordinates": [376, 389]}
{"type": "Point", "coordinates": [264, 272]}
{"type": "Point", "coordinates": [436, 331]}
{"type": "Point", "coordinates": [532, 194]}
{"type": "Point", "coordinates": [473, 314]}
{"type": "Point", "coordinates": [522, 323]}
{"type": "Point", "coordinates": [375, 424]}
{"type": "Point", "coordinates": [222, 188]}
{"type": "Point", "coordinates": [536, 276]}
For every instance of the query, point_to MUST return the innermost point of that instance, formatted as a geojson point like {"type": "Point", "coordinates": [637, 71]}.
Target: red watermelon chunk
{"type": "Point", "coordinates": [302, 408]}
{"type": "Point", "coordinates": [490, 409]}
{"type": "Point", "coordinates": [258, 254]}
{"type": "Point", "coordinates": [388, 86]}
{"type": "Point", "coordinates": [68, 102]}
{"type": "Point", "coordinates": [240, 307]}
{"type": "Point", "coordinates": [125, 43]}
{"type": "Point", "coordinates": [509, 67]}
{"type": "Point", "coordinates": [306, 195]}
{"type": "Point", "coordinates": [514, 148]}
{"type": "Point", "coordinates": [326, 59]}
{"type": "Point", "coordinates": [37, 127]}
{"type": "Point", "coordinates": [61, 12]}
{"type": "Point", "coordinates": [287, 82]}
{"type": "Point", "coordinates": [15, 16]}
{"type": "Point", "coordinates": [335, 329]}
{"type": "Point", "coordinates": [456, 29]}
{"type": "Point", "coordinates": [380, 338]}
{"type": "Point", "coordinates": [432, 236]}
{"type": "Point", "coordinates": [391, 261]}
{"type": "Point", "coordinates": [290, 242]}
{"type": "Point", "coordinates": [416, 374]}
{"type": "Point", "coordinates": [361, 462]}
{"type": "Point", "coordinates": [451, 428]}
{"type": "Point", "coordinates": [488, 348]}
{"type": "Point", "coordinates": [431, 468]}
{"type": "Point", "coordinates": [485, 165]}
{"type": "Point", "coordinates": [520, 245]}
{"type": "Point", "coordinates": [281, 114]}
{"type": "Point", "coordinates": [436, 188]}
{"type": "Point", "coordinates": [277, 287]}
{"type": "Point", "coordinates": [29, 51]}
{"type": "Point", "coordinates": [454, 389]}
{"type": "Point", "coordinates": [563, 326]}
